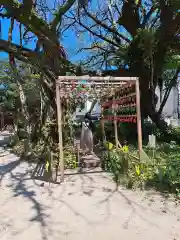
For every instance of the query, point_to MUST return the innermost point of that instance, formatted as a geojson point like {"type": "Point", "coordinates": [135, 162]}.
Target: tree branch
{"type": "Point", "coordinates": [32, 22]}
{"type": "Point", "coordinates": [96, 34]}
{"type": "Point", "coordinates": [168, 90]}
{"type": "Point", "coordinates": [10, 30]}
{"type": "Point", "coordinates": [25, 55]}
{"type": "Point", "coordinates": [130, 17]}
{"type": "Point", "coordinates": [169, 27]}
{"type": "Point", "coordinates": [62, 10]}
{"type": "Point", "coordinates": [117, 35]}
{"type": "Point", "coordinates": [33, 58]}
{"type": "Point", "coordinates": [148, 15]}
{"type": "Point", "coordinates": [22, 54]}
{"type": "Point", "coordinates": [28, 5]}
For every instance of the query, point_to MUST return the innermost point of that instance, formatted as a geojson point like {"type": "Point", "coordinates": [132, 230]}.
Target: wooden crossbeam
{"type": "Point", "coordinates": [103, 86]}
{"type": "Point", "coordinates": [96, 79]}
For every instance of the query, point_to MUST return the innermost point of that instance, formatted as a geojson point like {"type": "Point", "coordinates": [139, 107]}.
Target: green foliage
{"type": "Point", "coordinates": [10, 95]}
{"type": "Point", "coordinates": [128, 132]}
{"type": "Point", "coordinates": [115, 162]}
{"type": "Point", "coordinates": [172, 62]}
{"type": "Point", "coordinates": [148, 46]}
{"type": "Point", "coordinates": [18, 147]}
{"type": "Point", "coordinates": [161, 171]}
{"type": "Point", "coordinates": [70, 159]}
{"type": "Point", "coordinates": [13, 140]}
{"type": "Point", "coordinates": [166, 137]}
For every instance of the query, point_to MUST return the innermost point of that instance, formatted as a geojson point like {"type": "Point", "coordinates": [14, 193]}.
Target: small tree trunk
{"type": "Point", "coordinates": [169, 133]}
{"type": "Point", "coordinates": [158, 120]}
{"type": "Point", "coordinates": [25, 116]}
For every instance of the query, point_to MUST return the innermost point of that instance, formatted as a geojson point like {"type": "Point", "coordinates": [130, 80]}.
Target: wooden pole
{"type": "Point", "coordinates": [102, 125]}
{"type": "Point", "coordinates": [1, 121]}
{"type": "Point", "coordinates": [138, 110]}
{"type": "Point", "coordinates": [59, 118]}
{"type": "Point", "coordinates": [115, 123]}
{"type": "Point", "coordinates": [96, 78]}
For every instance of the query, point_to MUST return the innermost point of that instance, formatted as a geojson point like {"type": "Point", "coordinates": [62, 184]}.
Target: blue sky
{"type": "Point", "coordinates": [69, 41]}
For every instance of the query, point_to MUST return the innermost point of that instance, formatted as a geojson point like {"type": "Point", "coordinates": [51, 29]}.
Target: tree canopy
{"type": "Point", "coordinates": [140, 38]}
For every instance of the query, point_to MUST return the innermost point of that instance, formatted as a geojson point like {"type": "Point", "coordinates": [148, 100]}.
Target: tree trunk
{"type": "Point", "coordinates": [158, 120]}
{"type": "Point", "coordinates": [168, 133]}
{"type": "Point", "coordinates": [25, 115]}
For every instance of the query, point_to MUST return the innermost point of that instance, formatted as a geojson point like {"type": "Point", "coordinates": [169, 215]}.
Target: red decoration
{"type": "Point", "coordinates": [107, 104]}
{"type": "Point", "coordinates": [126, 100]}
{"type": "Point", "coordinates": [73, 85]}
{"type": "Point", "coordinates": [123, 101]}
{"type": "Point", "coordinates": [125, 119]}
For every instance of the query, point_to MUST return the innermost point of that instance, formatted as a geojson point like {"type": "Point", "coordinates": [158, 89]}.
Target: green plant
{"type": "Point", "coordinates": [13, 140]}
{"type": "Point", "coordinates": [116, 162]}
{"type": "Point", "coordinates": [161, 170]}
{"type": "Point", "coordinates": [70, 160]}
{"type": "Point", "coordinates": [139, 174]}
{"type": "Point", "coordinates": [18, 148]}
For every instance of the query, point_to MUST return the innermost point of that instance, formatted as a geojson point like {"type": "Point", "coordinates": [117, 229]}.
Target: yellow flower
{"type": "Point", "coordinates": [74, 164]}
{"type": "Point", "coordinates": [108, 145]}
{"type": "Point", "coordinates": [137, 170]}
{"type": "Point", "coordinates": [125, 149]}
{"type": "Point", "coordinates": [47, 166]}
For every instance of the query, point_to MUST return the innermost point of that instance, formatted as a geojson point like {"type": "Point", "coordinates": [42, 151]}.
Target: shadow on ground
{"type": "Point", "coordinates": [15, 178]}
{"type": "Point", "coordinates": [53, 206]}
{"type": "Point", "coordinates": [4, 139]}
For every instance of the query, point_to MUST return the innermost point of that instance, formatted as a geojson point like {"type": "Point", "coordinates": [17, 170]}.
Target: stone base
{"type": "Point", "coordinates": [90, 161]}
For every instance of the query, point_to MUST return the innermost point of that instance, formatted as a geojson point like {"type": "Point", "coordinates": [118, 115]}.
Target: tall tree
{"type": "Point", "coordinates": [20, 97]}
{"type": "Point", "coordinates": [138, 37]}
{"type": "Point", "coordinates": [31, 17]}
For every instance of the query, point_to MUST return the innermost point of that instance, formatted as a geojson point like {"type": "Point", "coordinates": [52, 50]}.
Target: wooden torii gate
{"type": "Point", "coordinates": [104, 86]}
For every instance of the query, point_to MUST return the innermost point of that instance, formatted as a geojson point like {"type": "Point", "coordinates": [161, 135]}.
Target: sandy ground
{"type": "Point", "coordinates": [83, 207]}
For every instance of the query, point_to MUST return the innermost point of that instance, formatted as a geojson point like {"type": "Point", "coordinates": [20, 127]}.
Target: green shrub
{"type": "Point", "coordinates": [18, 148]}
{"type": "Point", "coordinates": [70, 160]}
{"type": "Point", "coordinates": [13, 140]}
{"type": "Point", "coordinates": [161, 171]}
{"type": "Point", "coordinates": [115, 162]}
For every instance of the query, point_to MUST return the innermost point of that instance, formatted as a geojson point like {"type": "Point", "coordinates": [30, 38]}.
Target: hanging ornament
{"type": "Point", "coordinates": [73, 85]}
{"type": "Point", "coordinates": [122, 119]}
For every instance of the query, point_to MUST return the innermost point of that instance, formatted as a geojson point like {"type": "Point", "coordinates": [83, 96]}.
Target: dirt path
{"type": "Point", "coordinates": [84, 207]}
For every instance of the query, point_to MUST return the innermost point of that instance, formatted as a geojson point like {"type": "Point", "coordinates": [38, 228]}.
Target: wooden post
{"type": "Point", "coordinates": [102, 125]}
{"type": "Point", "coordinates": [59, 118]}
{"type": "Point", "coordinates": [138, 111]}
{"type": "Point", "coordinates": [115, 123]}
{"type": "Point", "coordinates": [1, 121]}
{"type": "Point", "coordinates": [79, 157]}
